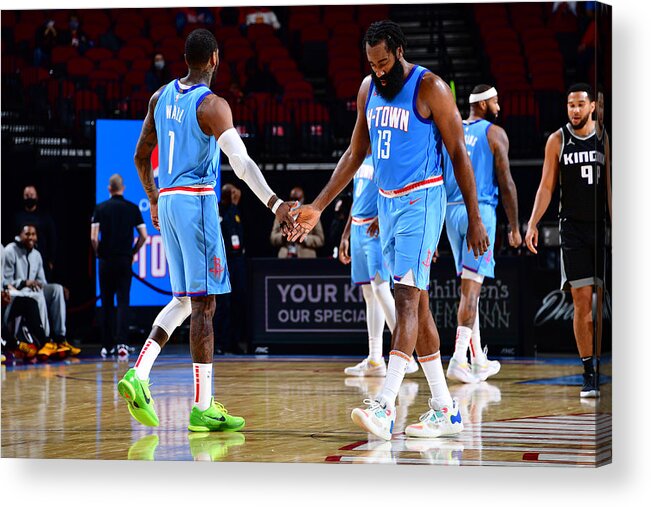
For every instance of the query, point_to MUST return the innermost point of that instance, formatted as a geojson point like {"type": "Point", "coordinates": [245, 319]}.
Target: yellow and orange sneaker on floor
{"type": "Point", "coordinates": [47, 351]}
{"type": "Point", "coordinates": [62, 351]}
{"type": "Point", "coordinates": [74, 351]}
{"type": "Point", "coordinates": [25, 351]}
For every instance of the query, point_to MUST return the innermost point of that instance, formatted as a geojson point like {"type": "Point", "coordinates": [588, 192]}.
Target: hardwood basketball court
{"type": "Point", "coordinates": [297, 410]}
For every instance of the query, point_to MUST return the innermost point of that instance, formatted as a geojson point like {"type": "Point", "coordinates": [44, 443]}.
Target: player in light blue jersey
{"type": "Point", "coordinates": [488, 148]}
{"type": "Point", "coordinates": [404, 115]}
{"type": "Point", "coordinates": [190, 124]}
{"type": "Point", "coordinates": [360, 244]}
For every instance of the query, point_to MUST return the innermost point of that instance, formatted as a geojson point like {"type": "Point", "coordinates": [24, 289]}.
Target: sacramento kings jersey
{"type": "Point", "coordinates": [364, 191]}
{"type": "Point", "coordinates": [186, 155]}
{"type": "Point", "coordinates": [481, 157]}
{"type": "Point", "coordinates": [406, 147]}
{"type": "Point", "coordinates": [582, 176]}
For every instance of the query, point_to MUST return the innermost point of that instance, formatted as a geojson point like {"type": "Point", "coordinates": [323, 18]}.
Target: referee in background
{"type": "Point", "coordinates": [116, 218]}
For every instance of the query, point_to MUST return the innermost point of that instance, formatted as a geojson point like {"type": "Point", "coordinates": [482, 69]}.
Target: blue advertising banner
{"type": "Point", "coordinates": [116, 144]}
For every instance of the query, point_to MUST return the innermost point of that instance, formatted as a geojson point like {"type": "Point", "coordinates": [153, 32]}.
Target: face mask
{"type": "Point", "coordinates": [74, 25]}
{"type": "Point", "coordinates": [30, 202]}
{"type": "Point", "coordinates": [159, 64]}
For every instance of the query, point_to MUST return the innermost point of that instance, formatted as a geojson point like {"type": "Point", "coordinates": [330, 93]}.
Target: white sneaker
{"type": "Point", "coordinates": [412, 366]}
{"type": "Point", "coordinates": [375, 419]}
{"type": "Point", "coordinates": [437, 423]}
{"type": "Point", "coordinates": [437, 451]}
{"type": "Point", "coordinates": [367, 368]}
{"type": "Point", "coordinates": [104, 353]}
{"type": "Point", "coordinates": [487, 368]}
{"type": "Point", "coordinates": [460, 371]}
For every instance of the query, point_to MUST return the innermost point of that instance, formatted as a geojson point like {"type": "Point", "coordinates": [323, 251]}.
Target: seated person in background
{"type": "Point", "coordinates": [288, 249]}
{"type": "Point", "coordinates": [23, 270]}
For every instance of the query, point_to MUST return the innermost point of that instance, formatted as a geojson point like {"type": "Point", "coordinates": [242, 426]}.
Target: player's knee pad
{"type": "Point", "coordinates": [173, 315]}
{"type": "Point", "coordinates": [466, 274]}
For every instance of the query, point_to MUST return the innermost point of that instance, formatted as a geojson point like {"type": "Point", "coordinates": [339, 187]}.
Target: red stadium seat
{"type": "Point", "coordinates": [314, 33]}
{"type": "Point", "coordinates": [225, 33]}
{"type": "Point", "coordinates": [33, 75]}
{"type": "Point", "coordinates": [61, 54]}
{"type": "Point", "coordinates": [288, 76]}
{"type": "Point", "coordinates": [266, 55]}
{"type": "Point", "coordinates": [237, 54]}
{"type": "Point", "coordinates": [143, 43]}
{"type": "Point", "coordinates": [96, 17]}
{"type": "Point", "coordinates": [160, 32]}
{"type": "Point", "coordinates": [298, 90]}
{"type": "Point", "coordinates": [99, 54]}
{"type": "Point", "coordinates": [129, 53]}
{"type": "Point", "coordinates": [142, 64]}
{"type": "Point", "coordinates": [258, 31]}
{"type": "Point", "coordinates": [80, 66]}
{"type": "Point", "coordinates": [94, 31]}
{"type": "Point", "coordinates": [282, 65]}
{"type": "Point", "coordinates": [343, 15]}
{"type": "Point", "coordinates": [346, 88]}
{"type": "Point", "coordinates": [126, 32]}
{"type": "Point", "coordinates": [298, 21]}
{"type": "Point", "coordinates": [85, 100]}
{"type": "Point", "coordinates": [117, 66]}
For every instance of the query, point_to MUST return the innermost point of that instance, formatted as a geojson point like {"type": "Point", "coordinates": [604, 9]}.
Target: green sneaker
{"type": "Point", "coordinates": [138, 398]}
{"type": "Point", "coordinates": [214, 418]}
{"type": "Point", "coordinates": [143, 449]}
{"type": "Point", "coordinates": [213, 446]}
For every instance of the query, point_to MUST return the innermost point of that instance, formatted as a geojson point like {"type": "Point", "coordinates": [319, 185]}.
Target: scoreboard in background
{"type": "Point", "coordinates": [116, 144]}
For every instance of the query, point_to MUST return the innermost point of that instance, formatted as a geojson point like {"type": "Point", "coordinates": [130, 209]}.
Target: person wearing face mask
{"type": "Point", "coordinates": [292, 249]}
{"type": "Point", "coordinates": [47, 237]}
{"type": "Point", "coordinates": [158, 74]}
{"type": "Point", "coordinates": [74, 35]}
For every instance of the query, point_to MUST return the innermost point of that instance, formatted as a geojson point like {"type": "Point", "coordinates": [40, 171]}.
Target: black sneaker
{"type": "Point", "coordinates": [589, 389]}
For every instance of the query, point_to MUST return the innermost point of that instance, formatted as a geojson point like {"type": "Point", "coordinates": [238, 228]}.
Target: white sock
{"type": "Point", "coordinates": [202, 384]}
{"type": "Point", "coordinates": [382, 291]}
{"type": "Point", "coordinates": [476, 352]}
{"type": "Point", "coordinates": [145, 361]}
{"type": "Point", "coordinates": [433, 369]}
{"type": "Point", "coordinates": [374, 324]}
{"type": "Point", "coordinates": [395, 373]}
{"type": "Point", "coordinates": [461, 344]}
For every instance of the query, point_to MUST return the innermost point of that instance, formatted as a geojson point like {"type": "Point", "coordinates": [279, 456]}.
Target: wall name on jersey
{"type": "Point", "coordinates": [174, 113]}
{"type": "Point", "coordinates": [388, 116]}
{"type": "Point", "coordinates": [581, 157]}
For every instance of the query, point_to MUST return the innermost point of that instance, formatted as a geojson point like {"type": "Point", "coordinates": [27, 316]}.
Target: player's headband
{"type": "Point", "coordinates": [478, 97]}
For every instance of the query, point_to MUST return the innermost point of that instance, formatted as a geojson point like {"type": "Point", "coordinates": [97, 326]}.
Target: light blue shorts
{"type": "Point", "coordinates": [456, 225]}
{"type": "Point", "coordinates": [410, 229]}
{"type": "Point", "coordinates": [193, 244]}
{"type": "Point", "coordinates": [366, 256]}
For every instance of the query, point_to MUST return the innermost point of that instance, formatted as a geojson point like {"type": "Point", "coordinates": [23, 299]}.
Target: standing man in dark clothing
{"type": "Point", "coordinates": [116, 219]}
{"type": "Point", "coordinates": [45, 230]}
{"type": "Point", "coordinates": [230, 310]}
{"type": "Point", "coordinates": [578, 161]}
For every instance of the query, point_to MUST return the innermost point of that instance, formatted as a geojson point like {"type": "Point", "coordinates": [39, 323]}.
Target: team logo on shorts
{"type": "Point", "coordinates": [216, 269]}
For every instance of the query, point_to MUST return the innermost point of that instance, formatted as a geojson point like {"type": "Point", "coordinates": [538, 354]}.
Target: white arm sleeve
{"type": "Point", "coordinates": [245, 168]}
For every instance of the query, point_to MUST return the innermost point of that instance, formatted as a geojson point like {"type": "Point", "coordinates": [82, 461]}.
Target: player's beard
{"type": "Point", "coordinates": [582, 123]}
{"type": "Point", "coordinates": [490, 116]}
{"type": "Point", "coordinates": [395, 80]}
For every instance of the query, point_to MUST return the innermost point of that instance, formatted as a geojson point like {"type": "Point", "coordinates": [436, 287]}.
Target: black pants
{"type": "Point", "coordinates": [115, 279]}
{"type": "Point", "coordinates": [230, 309]}
{"type": "Point", "coordinates": [25, 309]}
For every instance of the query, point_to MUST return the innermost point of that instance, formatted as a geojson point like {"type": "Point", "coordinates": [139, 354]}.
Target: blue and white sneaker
{"type": "Point", "coordinates": [377, 419]}
{"type": "Point", "coordinates": [437, 422]}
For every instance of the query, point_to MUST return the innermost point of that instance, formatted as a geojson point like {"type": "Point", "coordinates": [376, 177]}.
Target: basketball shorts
{"type": "Point", "coordinates": [193, 243]}
{"type": "Point", "coordinates": [410, 229]}
{"type": "Point", "coordinates": [581, 254]}
{"type": "Point", "coordinates": [456, 226]}
{"type": "Point", "coordinates": [366, 256]}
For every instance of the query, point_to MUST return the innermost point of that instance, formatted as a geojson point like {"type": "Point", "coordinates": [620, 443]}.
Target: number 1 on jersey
{"type": "Point", "coordinates": [170, 159]}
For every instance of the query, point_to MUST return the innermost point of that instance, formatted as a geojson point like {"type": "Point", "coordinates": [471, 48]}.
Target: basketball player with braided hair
{"type": "Point", "coordinates": [405, 114]}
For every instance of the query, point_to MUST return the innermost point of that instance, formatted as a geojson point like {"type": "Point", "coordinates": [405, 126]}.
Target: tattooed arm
{"type": "Point", "coordinates": [142, 158]}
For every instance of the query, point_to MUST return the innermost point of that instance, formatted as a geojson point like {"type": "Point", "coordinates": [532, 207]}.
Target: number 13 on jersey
{"type": "Point", "coordinates": [384, 144]}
